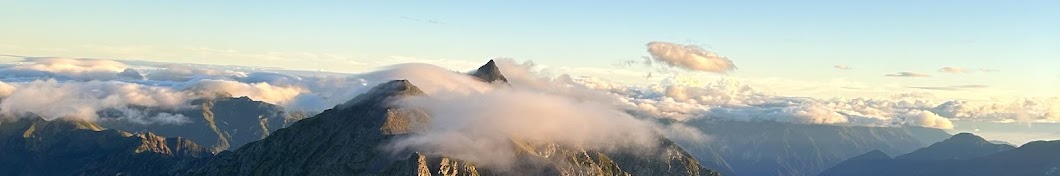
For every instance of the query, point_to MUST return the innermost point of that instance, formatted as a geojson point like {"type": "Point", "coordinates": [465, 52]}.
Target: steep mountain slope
{"type": "Point", "coordinates": [349, 139]}
{"type": "Point", "coordinates": [773, 148]}
{"type": "Point", "coordinates": [954, 156]}
{"type": "Point", "coordinates": [221, 124]}
{"type": "Point", "coordinates": [33, 146]}
{"type": "Point", "coordinates": [489, 73]}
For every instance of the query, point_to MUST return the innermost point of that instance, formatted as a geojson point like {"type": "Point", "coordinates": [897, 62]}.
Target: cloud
{"type": "Point", "coordinates": [927, 119]}
{"type": "Point", "coordinates": [60, 88]}
{"type": "Point", "coordinates": [954, 70]}
{"type": "Point", "coordinates": [842, 67]}
{"type": "Point", "coordinates": [908, 74]}
{"type": "Point", "coordinates": [1022, 110]}
{"type": "Point", "coordinates": [52, 99]}
{"type": "Point", "coordinates": [988, 70]}
{"type": "Point", "coordinates": [6, 89]}
{"type": "Point", "coordinates": [951, 88]}
{"type": "Point", "coordinates": [689, 57]}
{"type": "Point", "coordinates": [478, 121]}
{"type": "Point", "coordinates": [689, 100]}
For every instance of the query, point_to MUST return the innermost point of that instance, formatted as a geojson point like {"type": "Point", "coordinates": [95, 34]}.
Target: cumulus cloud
{"type": "Point", "coordinates": [842, 67]}
{"type": "Point", "coordinates": [908, 74]}
{"type": "Point", "coordinates": [728, 100]}
{"type": "Point", "coordinates": [1022, 110]}
{"type": "Point", "coordinates": [689, 57]}
{"type": "Point", "coordinates": [927, 119]}
{"type": "Point", "coordinates": [65, 68]}
{"type": "Point", "coordinates": [954, 70]}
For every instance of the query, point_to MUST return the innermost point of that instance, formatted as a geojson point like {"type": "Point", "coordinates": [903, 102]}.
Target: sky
{"type": "Point", "coordinates": [1011, 49]}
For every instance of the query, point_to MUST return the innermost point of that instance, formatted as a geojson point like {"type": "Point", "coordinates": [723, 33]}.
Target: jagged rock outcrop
{"type": "Point", "coordinates": [489, 73]}
{"type": "Point", "coordinates": [34, 146]}
{"type": "Point", "coordinates": [221, 124]}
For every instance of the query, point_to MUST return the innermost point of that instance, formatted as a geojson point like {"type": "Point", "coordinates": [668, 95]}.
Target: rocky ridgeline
{"type": "Point", "coordinates": [345, 140]}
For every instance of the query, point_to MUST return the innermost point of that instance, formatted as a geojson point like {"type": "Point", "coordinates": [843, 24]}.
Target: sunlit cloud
{"type": "Point", "coordinates": [954, 70]}
{"type": "Point", "coordinates": [689, 57]}
{"type": "Point", "coordinates": [908, 74]}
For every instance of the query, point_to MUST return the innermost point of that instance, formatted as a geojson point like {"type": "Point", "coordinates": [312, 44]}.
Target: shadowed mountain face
{"type": "Point", "coordinates": [489, 73]}
{"type": "Point", "coordinates": [221, 124]}
{"type": "Point", "coordinates": [349, 140]}
{"type": "Point", "coordinates": [773, 148]}
{"type": "Point", "coordinates": [33, 146]}
{"type": "Point", "coordinates": [961, 146]}
{"type": "Point", "coordinates": [962, 154]}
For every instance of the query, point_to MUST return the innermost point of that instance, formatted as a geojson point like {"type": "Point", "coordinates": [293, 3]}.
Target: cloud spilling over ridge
{"type": "Point", "coordinates": [908, 74]}
{"type": "Point", "coordinates": [689, 57]}
{"type": "Point", "coordinates": [478, 121]}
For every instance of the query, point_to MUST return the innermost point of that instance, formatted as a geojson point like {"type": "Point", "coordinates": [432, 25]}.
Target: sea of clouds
{"type": "Point", "coordinates": [80, 88]}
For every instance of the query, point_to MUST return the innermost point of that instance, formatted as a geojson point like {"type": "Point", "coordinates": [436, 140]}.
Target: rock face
{"type": "Point", "coordinates": [33, 146]}
{"type": "Point", "coordinates": [339, 141]}
{"type": "Point", "coordinates": [221, 124]}
{"type": "Point", "coordinates": [962, 154]}
{"type": "Point", "coordinates": [348, 140]}
{"type": "Point", "coordinates": [489, 73]}
{"type": "Point", "coordinates": [773, 148]}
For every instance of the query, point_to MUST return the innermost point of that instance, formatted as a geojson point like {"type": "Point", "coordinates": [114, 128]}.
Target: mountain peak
{"type": "Point", "coordinates": [966, 138]}
{"type": "Point", "coordinates": [384, 92]}
{"type": "Point", "coordinates": [959, 146]}
{"type": "Point", "coordinates": [489, 73]}
{"type": "Point", "coordinates": [872, 155]}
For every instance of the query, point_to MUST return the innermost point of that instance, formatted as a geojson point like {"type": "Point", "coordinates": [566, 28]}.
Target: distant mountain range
{"type": "Point", "coordinates": [220, 124]}
{"type": "Point", "coordinates": [963, 154]}
{"type": "Point", "coordinates": [776, 148]}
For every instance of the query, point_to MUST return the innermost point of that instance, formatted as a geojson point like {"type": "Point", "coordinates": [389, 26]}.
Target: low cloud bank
{"type": "Point", "coordinates": [64, 88]}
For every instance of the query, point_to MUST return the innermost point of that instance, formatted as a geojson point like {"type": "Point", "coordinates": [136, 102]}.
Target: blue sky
{"type": "Point", "coordinates": [798, 41]}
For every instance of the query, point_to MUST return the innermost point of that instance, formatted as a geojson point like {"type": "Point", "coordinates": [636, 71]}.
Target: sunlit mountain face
{"type": "Point", "coordinates": [530, 88]}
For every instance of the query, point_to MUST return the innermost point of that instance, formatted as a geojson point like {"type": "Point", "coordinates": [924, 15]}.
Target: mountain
{"type": "Point", "coordinates": [221, 124]}
{"type": "Point", "coordinates": [960, 146]}
{"type": "Point", "coordinates": [348, 140]}
{"type": "Point", "coordinates": [957, 155]}
{"type": "Point", "coordinates": [776, 148]}
{"type": "Point", "coordinates": [34, 146]}
{"type": "Point", "coordinates": [489, 73]}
